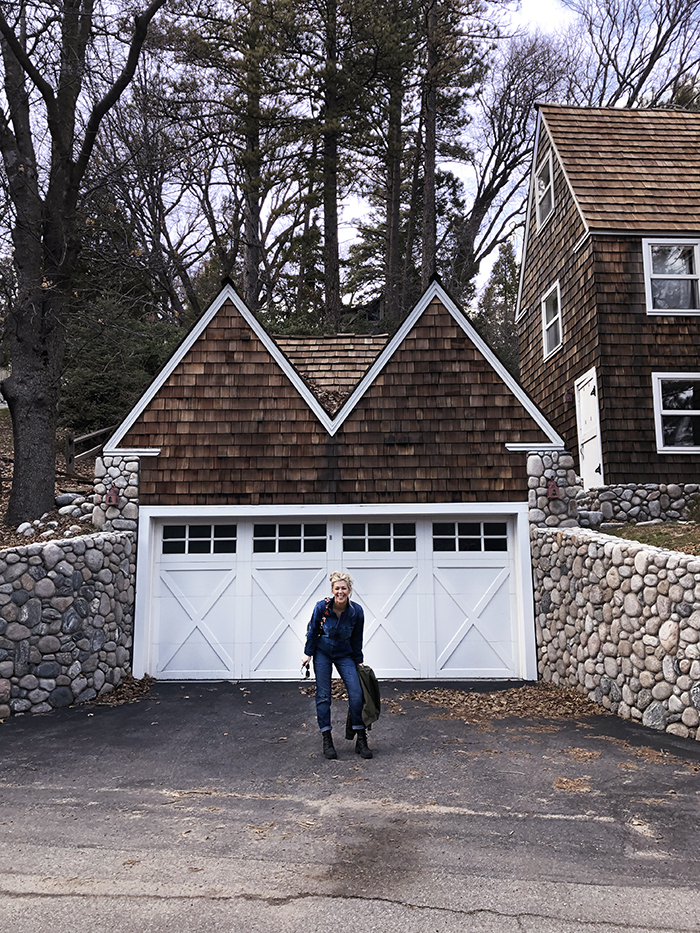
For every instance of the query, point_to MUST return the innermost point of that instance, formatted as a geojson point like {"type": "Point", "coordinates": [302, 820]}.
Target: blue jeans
{"type": "Point", "coordinates": [346, 667]}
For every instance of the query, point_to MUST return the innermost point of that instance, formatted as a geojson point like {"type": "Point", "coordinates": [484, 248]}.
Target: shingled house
{"type": "Point", "coordinates": [267, 462]}
{"type": "Point", "coordinates": [609, 304]}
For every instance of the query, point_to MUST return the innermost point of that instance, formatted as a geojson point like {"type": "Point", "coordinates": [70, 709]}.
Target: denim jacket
{"type": "Point", "coordinates": [339, 637]}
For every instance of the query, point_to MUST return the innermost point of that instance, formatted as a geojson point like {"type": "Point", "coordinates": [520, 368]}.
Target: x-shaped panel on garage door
{"type": "Point", "coordinates": [282, 601]}
{"type": "Point", "coordinates": [388, 595]}
{"type": "Point", "coordinates": [483, 642]}
{"type": "Point", "coordinates": [196, 623]}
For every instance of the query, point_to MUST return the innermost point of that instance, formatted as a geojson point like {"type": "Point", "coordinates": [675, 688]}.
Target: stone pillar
{"type": "Point", "coordinates": [116, 498]}
{"type": "Point", "coordinates": [552, 488]}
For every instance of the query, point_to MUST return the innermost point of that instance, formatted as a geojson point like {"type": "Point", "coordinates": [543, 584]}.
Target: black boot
{"type": "Point", "coordinates": [361, 746]}
{"type": "Point", "coordinates": [328, 747]}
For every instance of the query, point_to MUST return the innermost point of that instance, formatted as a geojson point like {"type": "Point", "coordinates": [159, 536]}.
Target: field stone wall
{"type": "Point", "coordinates": [119, 475]}
{"type": "Point", "coordinates": [66, 620]}
{"type": "Point", "coordinates": [620, 622]}
{"type": "Point", "coordinates": [632, 502]}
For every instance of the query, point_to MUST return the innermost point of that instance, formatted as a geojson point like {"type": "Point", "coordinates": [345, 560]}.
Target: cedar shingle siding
{"type": "Point", "coordinates": [551, 258]}
{"type": "Point", "coordinates": [431, 428]}
{"type": "Point", "coordinates": [629, 174]}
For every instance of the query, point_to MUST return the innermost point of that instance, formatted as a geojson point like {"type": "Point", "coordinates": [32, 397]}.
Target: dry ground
{"type": "Point", "coordinates": [81, 483]}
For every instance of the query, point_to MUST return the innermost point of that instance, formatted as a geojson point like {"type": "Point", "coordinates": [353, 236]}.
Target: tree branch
{"type": "Point", "coordinates": [103, 106]}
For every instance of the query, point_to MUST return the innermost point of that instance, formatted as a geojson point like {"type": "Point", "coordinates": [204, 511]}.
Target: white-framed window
{"type": "Point", "coordinates": [544, 191]}
{"type": "Point", "coordinates": [672, 275]}
{"type": "Point", "coordinates": [677, 412]}
{"type": "Point", "coordinates": [552, 334]}
{"type": "Point", "coordinates": [379, 536]}
{"type": "Point", "coordinates": [199, 539]}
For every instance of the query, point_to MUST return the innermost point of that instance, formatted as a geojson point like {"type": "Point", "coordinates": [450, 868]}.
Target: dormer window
{"type": "Point", "coordinates": [671, 273]}
{"type": "Point", "coordinates": [544, 191]}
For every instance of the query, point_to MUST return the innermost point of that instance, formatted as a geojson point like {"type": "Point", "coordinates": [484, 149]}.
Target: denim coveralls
{"type": "Point", "coordinates": [339, 642]}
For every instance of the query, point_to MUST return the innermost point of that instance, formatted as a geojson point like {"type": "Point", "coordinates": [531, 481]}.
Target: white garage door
{"type": "Point", "coordinates": [232, 598]}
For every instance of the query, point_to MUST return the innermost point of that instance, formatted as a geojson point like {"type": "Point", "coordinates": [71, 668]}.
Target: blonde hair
{"type": "Point", "coordinates": [337, 576]}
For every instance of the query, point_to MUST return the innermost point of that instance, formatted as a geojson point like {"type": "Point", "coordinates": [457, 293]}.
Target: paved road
{"type": "Point", "coordinates": [208, 808]}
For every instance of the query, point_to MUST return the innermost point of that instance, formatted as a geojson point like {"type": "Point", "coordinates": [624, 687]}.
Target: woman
{"type": "Point", "coordinates": [334, 636]}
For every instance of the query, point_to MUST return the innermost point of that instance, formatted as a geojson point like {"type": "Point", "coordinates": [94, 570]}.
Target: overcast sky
{"type": "Point", "coordinates": [547, 15]}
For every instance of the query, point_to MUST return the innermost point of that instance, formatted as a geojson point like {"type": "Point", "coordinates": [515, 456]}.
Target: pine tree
{"type": "Point", "coordinates": [495, 314]}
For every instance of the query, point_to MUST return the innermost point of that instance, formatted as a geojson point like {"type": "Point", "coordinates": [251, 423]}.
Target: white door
{"type": "Point", "coordinates": [439, 596]}
{"type": "Point", "coordinates": [588, 426]}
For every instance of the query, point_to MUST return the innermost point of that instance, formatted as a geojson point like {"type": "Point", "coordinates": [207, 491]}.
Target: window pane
{"type": "Point", "coordinates": [681, 430]}
{"type": "Point", "coordinates": [173, 547]}
{"type": "Point", "coordinates": [543, 177]}
{"type": "Point", "coordinates": [224, 531]}
{"type": "Point", "coordinates": [262, 546]}
{"type": "Point", "coordinates": [443, 544]}
{"type": "Point", "coordinates": [404, 544]}
{"type": "Point", "coordinates": [381, 528]}
{"type": "Point", "coordinates": [354, 531]}
{"type": "Point", "coordinates": [674, 294]}
{"type": "Point", "coordinates": [290, 531]}
{"type": "Point", "coordinates": [470, 544]}
{"type": "Point", "coordinates": [289, 545]}
{"type": "Point", "coordinates": [173, 531]}
{"type": "Point", "coordinates": [551, 308]}
{"type": "Point", "coordinates": [495, 544]}
{"type": "Point", "coordinates": [314, 531]}
{"type": "Point", "coordinates": [495, 528]}
{"type": "Point", "coordinates": [315, 544]}
{"type": "Point", "coordinates": [443, 528]}
{"type": "Point", "coordinates": [469, 528]}
{"type": "Point", "coordinates": [673, 260]}
{"type": "Point", "coordinates": [680, 394]}
{"type": "Point", "coordinates": [552, 337]}
{"type": "Point", "coordinates": [405, 529]}
{"type": "Point", "coordinates": [379, 544]}
{"type": "Point", "coordinates": [353, 544]}
{"type": "Point", "coordinates": [264, 531]}
{"type": "Point", "coordinates": [200, 531]}
{"type": "Point", "coordinates": [225, 547]}
{"type": "Point", "coordinates": [199, 547]}
{"type": "Point", "coordinates": [545, 205]}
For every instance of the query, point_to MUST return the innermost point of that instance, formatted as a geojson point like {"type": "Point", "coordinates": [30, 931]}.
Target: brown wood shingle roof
{"type": "Point", "coordinates": [332, 366]}
{"type": "Point", "coordinates": [630, 170]}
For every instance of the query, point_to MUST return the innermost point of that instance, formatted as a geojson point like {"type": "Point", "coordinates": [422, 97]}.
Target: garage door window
{"type": "Point", "coordinates": [379, 536]}
{"type": "Point", "coordinates": [470, 536]}
{"type": "Point", "coordinates": [199, 539]}
{"type": "Point", "coordinates": [288, 539]}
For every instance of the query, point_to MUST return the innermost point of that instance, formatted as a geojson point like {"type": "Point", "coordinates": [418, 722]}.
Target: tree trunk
{"type": "Point", "coordinates": [331, 250]}
{"type": "Point", "coordinates": [44, 229]}
{"type": "Point", "coordinates": [252, 171]}
{"type": "Point", "coordinates": [429, 222]}
{"type": "Point", "coordinates": [393, 208]}
{"type": "Point", "coordinates": [32, 392]}
{"type": "Point", "coordinates": [409, 271]}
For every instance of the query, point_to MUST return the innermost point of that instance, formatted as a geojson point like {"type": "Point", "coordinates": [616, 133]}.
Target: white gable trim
{"type": "Point", "coordinates": [564, 173]}
{"type": "Point", "coordinates": [227, 293]}
{"type": "Point", "coordinates": [434, 291]}
{"type": "Point", "coordinates": [542, 123]}
{"type": "Point", "coordinates": [519, 311]}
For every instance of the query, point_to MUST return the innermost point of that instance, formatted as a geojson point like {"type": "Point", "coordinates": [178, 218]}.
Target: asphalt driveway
{"type": "Point", "coordinates": [207, 807]}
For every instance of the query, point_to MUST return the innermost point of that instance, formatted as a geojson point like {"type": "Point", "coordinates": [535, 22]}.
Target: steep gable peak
{"type": "Point", "coordinates": [365, 359]}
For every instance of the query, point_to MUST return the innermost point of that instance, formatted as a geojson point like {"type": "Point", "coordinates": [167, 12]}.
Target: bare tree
{"type": "Point", "coordinates": [526, 69]}
{"type": "Point", "coordinates": [632, 53]}
{"type": "Point", "coordinates": [49, 122]}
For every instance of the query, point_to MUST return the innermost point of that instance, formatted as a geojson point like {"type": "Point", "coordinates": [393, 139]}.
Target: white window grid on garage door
{"type": "Point", "coordinates": [276, 590]}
